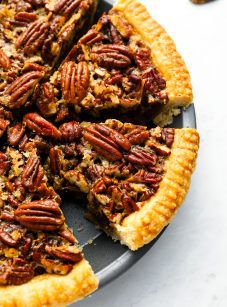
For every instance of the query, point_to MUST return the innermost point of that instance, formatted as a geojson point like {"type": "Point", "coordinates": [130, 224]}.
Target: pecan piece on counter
{"type": "Point", "coordinates": [40, 215]}
{"type": "Point", "coordinates": [5, 62]}
{"type": "Point", "coordinates": [66, 253]}
{"type": "Point", "coordinates": [74, 81]}
{"type": "Point", "coordinates": [41, 126]}
{"type": "Point", "coordinates": [4, 163]}
{"type": "Point", "coordinates": [15, 134]}
{"type": "Point", "coordinates": [141, 156]}
{"type": "Point", "coordinates": [20, 90]}
{"type": "Point", "coordinates": [108, 142]}
{"type": "Point", "coordinates": [4, 123]}
{"type": "Point", "coordinates": [33, 37]}
{"type": "Point", "coordinates": [112, 56]}
{"type": "Point", "coordinates": [16, 272]}
{"type": "Point", "coordinates": [71, 131]}
{"type": "Point", "coordinates": [32, 175]}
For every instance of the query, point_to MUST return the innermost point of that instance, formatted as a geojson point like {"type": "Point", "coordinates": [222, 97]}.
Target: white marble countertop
{"type": "Point", "coordinates": [188, 265]}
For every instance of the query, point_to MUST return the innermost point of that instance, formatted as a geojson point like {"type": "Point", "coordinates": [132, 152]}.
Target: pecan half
{"type": "Point", "coordinates": [66, 7]}
{"type": "Point", "coordinates": [15, 134]}
{"type": "Point", "coordinates": [168, 136]}
{"type": "Point", "coordinates": [145, 177]}
{"type": "Point", "coordinates": [40, 215]}
{"type": "Point", "coordinates": [25, 17]}
{"type": "Point", "coordinates": [74, 81]}
{"type": "Point", "coordinates": [16, 273]}
{"type": "Point", "coordinates": [41, 126]}
{"type": "Point", "coordinates": [91, 37]}
{"type": "Point", "coordinates": [22, 88]}
{"type": "Point", "coordinates": [5, 62]}
{"type": "Point", "coordinates": [33, 37]}
{"type": "Point", "coordinates": [55, 161]}
{"type": "Point", "coordinates": [32, 175]}
{"type": "Point", "coordinates": [107, 142]}
{"type": "Point", "coordinates": [46, 100]}
{"type": "Point", "coordinates": [112, 56]}
{"type": "Point", "coordinates": [6, 235]}
{"type": "Point", "coordinates": [137, 136]}
{"type": "Point", "coordinates": [67, 235]}
{"type": "Point", "coordinates": [4, 123]}
{"type": "Point", "coordinates": [71, 131]}
{"type": "Point", "coordinates": [141, 156]}
{"type": "Point", "coordinates": [4, 163]}
{"type": "Point", "coordinates": [66, 253]}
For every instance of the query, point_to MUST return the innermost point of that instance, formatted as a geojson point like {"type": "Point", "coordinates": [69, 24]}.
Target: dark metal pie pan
{"type": "Point", "coordinates": [109, 259]}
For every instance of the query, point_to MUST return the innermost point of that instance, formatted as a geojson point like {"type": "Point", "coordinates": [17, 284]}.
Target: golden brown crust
{"type": "Point", "coordinates": [164, 53]}
{"type": "Point", "coordinates": [51, 290]}
{"type": "Point", "coordinates": [144, 225]}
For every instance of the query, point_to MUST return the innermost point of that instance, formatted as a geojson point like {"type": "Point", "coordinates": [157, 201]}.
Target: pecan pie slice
{"type": "Point", "coordinates": [125, 63]}
{"type": "Point", "coordinates": [34, 36]}
{"type": "Point", "coordinates": [40, 260]}
{"type": "Point", "coordinates": [135, 178]}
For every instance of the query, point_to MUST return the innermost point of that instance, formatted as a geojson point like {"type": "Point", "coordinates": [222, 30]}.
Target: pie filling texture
{"type": "Point", "coordinates": [118, 165]}
{"type": "Point", "coordinates": [52, 139]}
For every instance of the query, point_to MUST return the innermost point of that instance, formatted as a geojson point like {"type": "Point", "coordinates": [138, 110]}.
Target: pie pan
{"type": "Point", "coordinates": [107, 258]}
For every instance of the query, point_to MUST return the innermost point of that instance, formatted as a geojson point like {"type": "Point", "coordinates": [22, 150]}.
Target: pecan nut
{"type": "Point", "coordinates": [20, 90]}
{"type": "Point", "coordinates": [65, 253]}
{"type": "Point", "coordinates": [141, 156]}
{"type": "Point", "coordinates": [42, 215]}
{"type": "Point", "coordinates": [77, 179]}
{"type": "Point", "coordinates": [66, 7]}
{"type": "Point", "coordinates": [4, 123]}
{"type": "Point", "coordinates": [5, 62]}
{"type": "Point", "coordinates": [46, 100]}
{"type": "Point", "coordinates": [4, 163]}
{"type": "Point", "coordinates": [41, 126]}
{"type": "Point", "coordinates": [25, 17]}
{"type": "Point", "coordinates": [32, 175]}
{"type": "Point", "coordinates": [15, 134]}
{"type": "Point", "coordinates": [71, 131]}
{"type": "Point", "coordinates": [33, 37]}
{"type": "Point", "coordinates": [168, 136]}
{"type": "Point", "coordinates": [91, 37]}
{"type": "Point", "coordinates": [55, 155]}
{"type": "Point", "coordinates": [75, 81]}
{"type": "Point", "coordinates": [137, 136]}
{"type": "Point", "coordinates": [6, 235]}
{"type": "Point", "coordinates": [107, 142]}
{"type": "Point", "coordinates": [16, 273]}
{"type": "Point", "coordinates": [112, 56]}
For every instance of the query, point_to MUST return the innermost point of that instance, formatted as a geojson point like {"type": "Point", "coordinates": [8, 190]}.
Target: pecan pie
{"type": "Point", "coordinates": [34, 35]}
{"type": "Point", "coordinates": [54, 138]}
{"type": "Point", "coordinates": [125, 63]}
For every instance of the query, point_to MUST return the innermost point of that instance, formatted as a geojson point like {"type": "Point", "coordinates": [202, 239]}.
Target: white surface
{"type": "Point", "coordinates": [188, 265]}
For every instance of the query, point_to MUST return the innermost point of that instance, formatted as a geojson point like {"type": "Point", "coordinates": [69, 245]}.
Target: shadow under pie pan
{"type": "Point", "coordinates": [110, 259]}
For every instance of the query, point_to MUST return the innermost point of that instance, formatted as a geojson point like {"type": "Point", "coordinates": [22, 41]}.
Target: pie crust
{"type": "Point", "coordinates": [51, 290]}
{"type": "Point", "coordinates": [143, 226]}
{"type": "Point", "coordinates": [164, 55]}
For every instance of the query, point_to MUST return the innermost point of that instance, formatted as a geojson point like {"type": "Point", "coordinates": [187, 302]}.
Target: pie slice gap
{"type": "Point", "coordinates": [41, 263]}
{"type": "Point", "coordinates": [126, 65]}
